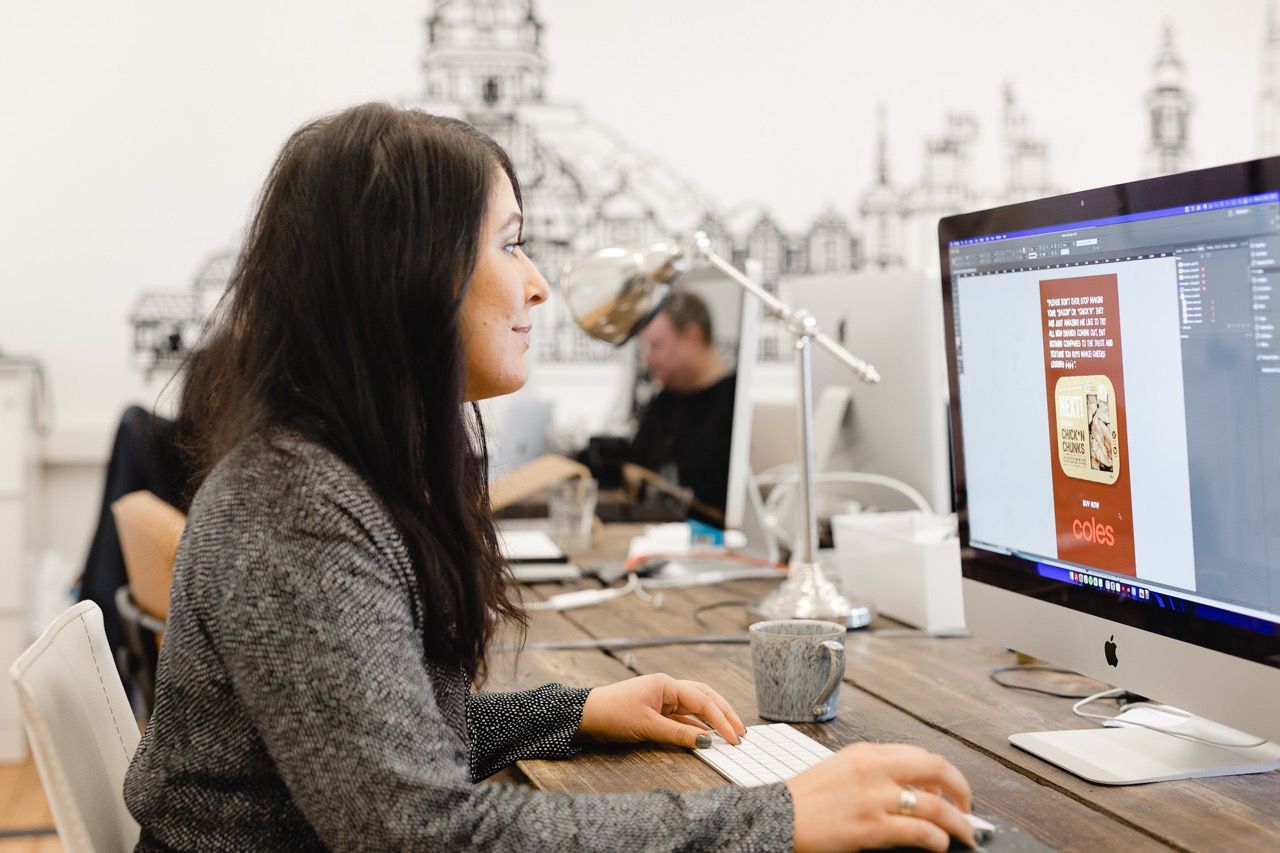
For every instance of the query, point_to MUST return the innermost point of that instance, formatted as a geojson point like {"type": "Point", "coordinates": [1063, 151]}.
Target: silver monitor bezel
{"type": "Point", "coordinates": [1205, 665]}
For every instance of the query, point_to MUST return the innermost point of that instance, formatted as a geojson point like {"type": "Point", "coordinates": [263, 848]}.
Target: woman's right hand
{"type": "Point", "coordinates": [853, 800]}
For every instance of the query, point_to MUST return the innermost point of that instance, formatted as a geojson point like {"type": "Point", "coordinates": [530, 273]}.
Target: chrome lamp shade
{"type": "Point", "coordinates": [615, 292]}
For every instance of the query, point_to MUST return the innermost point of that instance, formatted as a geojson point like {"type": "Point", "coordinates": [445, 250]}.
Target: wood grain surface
{"type": "Point", "coordinates": [899, 687]}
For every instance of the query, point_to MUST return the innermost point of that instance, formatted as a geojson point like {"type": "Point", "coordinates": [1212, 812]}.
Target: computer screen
{"type": "Point", "coordinates": [1115, 397]}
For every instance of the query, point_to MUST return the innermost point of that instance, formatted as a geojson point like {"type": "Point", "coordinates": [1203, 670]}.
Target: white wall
{"type": "Point", "coordinates": [136, 133]}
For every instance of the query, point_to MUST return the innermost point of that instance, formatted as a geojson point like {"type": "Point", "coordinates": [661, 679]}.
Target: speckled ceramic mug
{"type": "Point", "coordinates": [798, 664]}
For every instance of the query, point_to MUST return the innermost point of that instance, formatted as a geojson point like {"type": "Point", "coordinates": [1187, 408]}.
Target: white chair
{"type": "Point", "coordinates": [81, 728]}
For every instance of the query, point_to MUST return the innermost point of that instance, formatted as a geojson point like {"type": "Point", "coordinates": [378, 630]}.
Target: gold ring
{"type": "Point", "coordinates": [907, 801]}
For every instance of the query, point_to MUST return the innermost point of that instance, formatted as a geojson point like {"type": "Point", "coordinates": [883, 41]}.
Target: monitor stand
{"type": "Point", "coordinates": [1119, 754]}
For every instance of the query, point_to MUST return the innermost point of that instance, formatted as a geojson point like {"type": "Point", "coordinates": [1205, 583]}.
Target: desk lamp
{"type": "Point", "coordinates": [615, 292]}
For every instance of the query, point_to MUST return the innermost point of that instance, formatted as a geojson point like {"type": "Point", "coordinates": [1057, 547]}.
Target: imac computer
{"type": "Point", "coordinates": [898, 427]}
{"type": "Point", "coordinates": [1115, 405]}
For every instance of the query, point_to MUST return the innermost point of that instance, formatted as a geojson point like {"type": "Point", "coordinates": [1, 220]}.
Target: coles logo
{"type": "Point", "coordinates": [1093, 532]}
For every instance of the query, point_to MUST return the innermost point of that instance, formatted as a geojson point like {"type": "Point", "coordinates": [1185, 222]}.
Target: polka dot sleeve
{"type": "Point", "coordinates": [508, 727]}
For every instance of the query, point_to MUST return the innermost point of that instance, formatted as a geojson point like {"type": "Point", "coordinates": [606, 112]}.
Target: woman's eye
{"type": "Point", "coordinates": [510, 248]}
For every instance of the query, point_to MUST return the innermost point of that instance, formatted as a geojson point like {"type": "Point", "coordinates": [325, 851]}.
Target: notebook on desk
{"type": "Point", "coordinates": [535, 557]}
{"type": "Point", "coordinates": [529, 546]}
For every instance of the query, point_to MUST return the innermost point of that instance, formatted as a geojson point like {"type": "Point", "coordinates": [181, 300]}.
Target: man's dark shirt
{"type": "Point", "coordinates": [691, 432]}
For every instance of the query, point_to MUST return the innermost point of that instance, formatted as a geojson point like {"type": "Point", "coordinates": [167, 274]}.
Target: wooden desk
{"type": "Point", "coordinates": [935, 693]}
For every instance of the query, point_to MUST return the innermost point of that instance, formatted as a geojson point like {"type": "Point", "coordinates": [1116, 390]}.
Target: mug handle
{"type": "Point", "coordinates": [835, 651]}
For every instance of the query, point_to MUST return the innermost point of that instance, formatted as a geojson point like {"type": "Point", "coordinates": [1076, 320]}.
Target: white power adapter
{"type": "Point", "coordinates": [579, 598]}
{"type": "Point", "coordinates": [588, 597]}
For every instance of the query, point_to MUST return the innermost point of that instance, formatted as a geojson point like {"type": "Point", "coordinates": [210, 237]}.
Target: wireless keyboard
{"type": "Point", "coordinates": [772, 753]}
{"type": "Point", "coordinates": [769, 753]}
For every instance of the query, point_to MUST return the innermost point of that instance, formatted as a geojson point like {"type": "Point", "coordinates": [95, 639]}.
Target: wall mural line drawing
{"type": "Point", "coordinates": [585, 188]}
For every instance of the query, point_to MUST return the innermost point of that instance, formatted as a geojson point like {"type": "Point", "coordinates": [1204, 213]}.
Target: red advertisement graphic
{"type": "Point", "coordinates": [1088, 436]}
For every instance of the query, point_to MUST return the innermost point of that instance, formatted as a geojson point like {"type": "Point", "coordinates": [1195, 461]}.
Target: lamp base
{"type": "Point", "coordinates": [807, 594]}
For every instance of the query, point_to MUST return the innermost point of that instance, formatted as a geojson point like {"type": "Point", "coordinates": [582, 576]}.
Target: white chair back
{"type": "Point", "coordinates": [81, 728]}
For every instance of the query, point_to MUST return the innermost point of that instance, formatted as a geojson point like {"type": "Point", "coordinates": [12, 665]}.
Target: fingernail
{"type": "Point", "coordinates": [703, 742]}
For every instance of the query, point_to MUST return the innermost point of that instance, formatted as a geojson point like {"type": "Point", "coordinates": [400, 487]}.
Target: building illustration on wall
{"type": "Point", "coordinates": [166, 323]}
{"type": "Point", "coordinates": [585, 188]}
{"type": "Point", "coordinates": [900, 223]}
{"type": "Point", "coordinates": [1169, 107]}
{"type": "Point", "coordinates": [1269, 96]}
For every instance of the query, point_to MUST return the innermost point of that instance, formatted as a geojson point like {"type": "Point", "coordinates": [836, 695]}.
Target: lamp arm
{"type": "Point", "coordinates": [776, 306]}
{"type": "Point", "coordinates": [806, 594]}
{"type": "Point", "coordinates": [863, 370]}
{"type": "Point", "coordinates": [798, 322]}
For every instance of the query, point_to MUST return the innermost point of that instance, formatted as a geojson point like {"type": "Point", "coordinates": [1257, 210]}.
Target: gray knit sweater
{"type": "Point", "coordinates": [295, 708]}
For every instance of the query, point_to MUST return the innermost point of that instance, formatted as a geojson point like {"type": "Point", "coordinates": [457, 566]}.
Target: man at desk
{"type": "Point", "coordinates": [685, 431]}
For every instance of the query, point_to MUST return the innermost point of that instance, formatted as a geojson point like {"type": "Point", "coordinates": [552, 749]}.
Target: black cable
{"type": "Point", "coordinates": [697, 611]}
{"type": "Point", "coordinates": [630, 642]}
{"type": "Point", "coordinates": [997, 670]}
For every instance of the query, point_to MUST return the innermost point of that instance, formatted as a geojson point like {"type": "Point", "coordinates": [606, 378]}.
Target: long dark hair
{"type": "Point", "coordinates": [341, 322]}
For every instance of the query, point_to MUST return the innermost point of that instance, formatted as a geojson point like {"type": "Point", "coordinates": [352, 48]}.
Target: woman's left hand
{"type": "Point", "coordinates": [658, 708]}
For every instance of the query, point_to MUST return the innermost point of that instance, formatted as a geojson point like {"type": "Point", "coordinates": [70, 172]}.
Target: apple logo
{"type": "Point", "coordinates": [1109, 649]}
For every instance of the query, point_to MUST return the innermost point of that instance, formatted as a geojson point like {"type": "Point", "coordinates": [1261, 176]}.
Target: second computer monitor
{"type": "Point", "coordinates": [897, 428]}
{"type": "Point", "coordinates": [1115, 392]}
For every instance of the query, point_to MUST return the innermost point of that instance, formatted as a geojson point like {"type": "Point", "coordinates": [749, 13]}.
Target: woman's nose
{"type": "Point", "coordinates": [537, 290]}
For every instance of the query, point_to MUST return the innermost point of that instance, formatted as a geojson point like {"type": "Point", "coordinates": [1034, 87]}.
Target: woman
{"type": "Point", "coordinates": [339, 577]}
